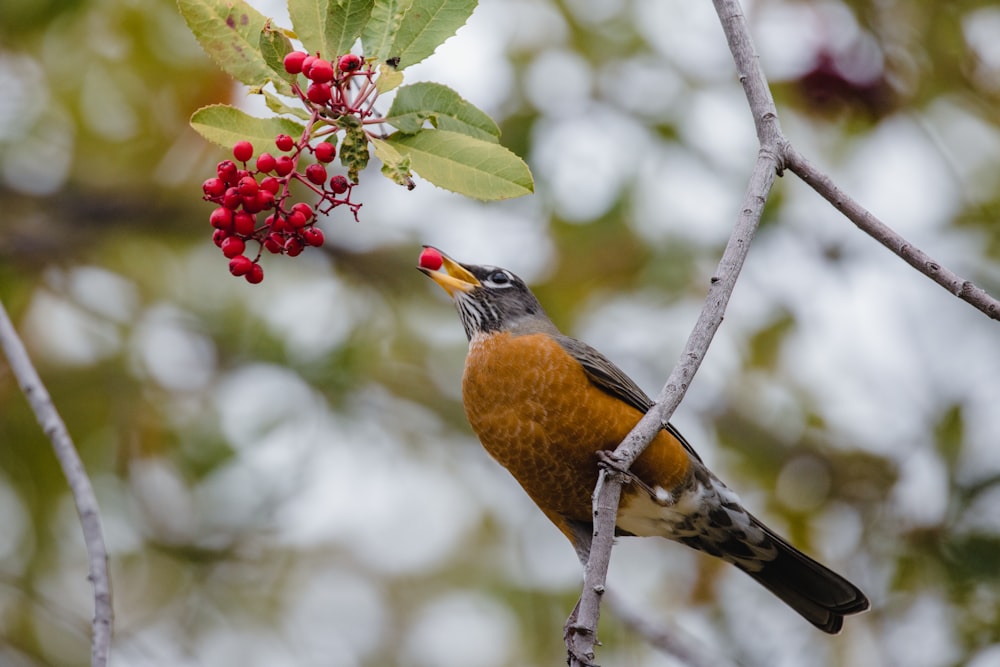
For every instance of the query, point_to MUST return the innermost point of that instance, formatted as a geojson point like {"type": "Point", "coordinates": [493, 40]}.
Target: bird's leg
{"type": "Point", "coordinates": [608, 460]}
{"type": "Point", "coordinates": [571, 629]}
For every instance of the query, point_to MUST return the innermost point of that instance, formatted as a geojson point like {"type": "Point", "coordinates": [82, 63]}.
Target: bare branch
{"type": "Point", "coordinates": [878, 230]}
{"type": "Point", "coordinates": [775, 154]}
{"type": "Point", "coordinates": [673, 641]}
{"type": "Point", "coordinates": [83, 493]}
{"type": "Point", "coordinates": [608, 492]}
{"type": "Point", "coordinates": [755, 87]}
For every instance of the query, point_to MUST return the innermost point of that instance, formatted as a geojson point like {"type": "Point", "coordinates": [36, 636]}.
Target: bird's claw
{"type": "Point", "coordinates": [608, 461]}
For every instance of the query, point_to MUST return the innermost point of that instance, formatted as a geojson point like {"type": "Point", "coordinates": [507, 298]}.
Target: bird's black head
{"type": "Point", "coordinates": [489, 298]}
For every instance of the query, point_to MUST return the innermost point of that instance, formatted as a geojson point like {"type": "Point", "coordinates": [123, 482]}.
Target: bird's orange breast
{"type": "Point", "coordinates": [537, 413]}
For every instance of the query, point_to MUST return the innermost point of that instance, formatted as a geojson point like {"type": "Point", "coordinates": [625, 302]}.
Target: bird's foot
{"type": "Point", "coordinates": [607, 460]}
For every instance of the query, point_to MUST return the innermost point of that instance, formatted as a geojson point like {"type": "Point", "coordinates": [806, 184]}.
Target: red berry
{"type": "Point", "coordinates": [265, 163]}
{"type": "Point", "coordinates": [321, 71]}
{"type": "Point", "coordinates": [273, 243]}
{"type": "Point", "coordinates": [316, 173]}
{"type": "Point", "coordinates": [228, 172]}
{"type": "Point", "coordinates": [339, 184]}
{"type": "Point", "coordinates": [307, 64]}
{"type": "Point", "coordinates": [232, 199]}
{"type": "Point", "coordinates": [239, 265]}
{"type": "Point", "coordinates": [293, 61]}
{"type": "Point", "coordinates": [213, 187]}
{"type": "Point", "coordinates": [319, 93]}
{"type": "Point", "coordinates": [284, 166]}
{"type": "Point", "coordinates": [270, 184]}
{"type": "Point", "coordinates": [243, 151]}
{"type": "Point", "coordinates": [244, 223]}
{"type": "Point", "coordinates": [247, 186]}
{"type": "Point", "coordinates": [255, 275]}
{"type": "Point", "coordinates": [218, 236]}
{"type": "Point", "coordinates": [278, 223]}
{"type": "Point", "coordinates": [264, 200]}
{"type": "Point", "coordinates": [251, 204]}
{"type": "Point", "coordinates": [293, 247]}
{"type": "Point", "coordinates": [284, 142]}
{"type": "Point", "coordinates": [313, 236]}
{"type": "Point", "coordinates": [233, 247]}
{"type": "Point", "coordinates": [349, 63]}
{"type": "Point", "coordinates": [325, 152]}
{"type": "Point", "coordinates": [296, 220]}
{"type": "Point", "coordinates": [430, 259]}
{"type": "Point", "coordinates": [305, 209]}
{"type": "Point", "coordinates": [221, 218]}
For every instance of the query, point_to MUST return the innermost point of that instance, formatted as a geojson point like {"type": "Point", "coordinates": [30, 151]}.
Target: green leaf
{"type": "Point", "coordinates": [388, 78]}
{"type": "Point", "coordinates": [329, 27]}
{"type": "Point", "coordinates": [466, 165]}
{"type": "Point", "coordinates": [765, 345]}
{"type": "Point", "coordinates": [443, 107]}
{"type": "Point", "coordinates": [949, 433]}
{"type": "Point", "coordinates": [410, 30]}
{"type": "Point", "coordinates": [425, 26]}
{"type": "Point", "coordinates": [277, 105]}
{"type": "Point", "coordinates": [353, 147]}
{"type": "Point", "coordinates": [274, 46]}
{"type": "Point", "coordinates": [376, 38]}
{"type": "Point", "coordinates": [395, 165]}
{"type": "Point", "coordinates": [229, 31]}
{"type": "Point", "coordinates": [225, 125]}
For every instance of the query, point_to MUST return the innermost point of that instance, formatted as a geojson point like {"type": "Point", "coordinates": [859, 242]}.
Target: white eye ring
{"type": "Point", "coordinates": [499, 278]}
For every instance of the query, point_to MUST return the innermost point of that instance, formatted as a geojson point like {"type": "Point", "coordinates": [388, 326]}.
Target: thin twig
{"type": "Point", "coordinates": [673, 641]}
{"type": "Point", "coordinates": [878, 230]}
{"type": "Point", "coordinates": [83, 493]}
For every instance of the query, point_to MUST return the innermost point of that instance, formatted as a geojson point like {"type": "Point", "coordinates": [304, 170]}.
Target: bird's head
{"type": "Point", "coordinates": [488, 298]}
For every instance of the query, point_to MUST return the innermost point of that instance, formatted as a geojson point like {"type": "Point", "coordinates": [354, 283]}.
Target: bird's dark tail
{"type": "Point", "coordinates": [819, 594]}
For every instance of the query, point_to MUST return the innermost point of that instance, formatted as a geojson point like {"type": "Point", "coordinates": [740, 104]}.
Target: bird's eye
{"type": "Point", "coordinates": [499, 278]}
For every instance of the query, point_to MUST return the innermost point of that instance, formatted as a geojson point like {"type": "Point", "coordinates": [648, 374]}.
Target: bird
{"type": "Point", "coordinates": [546, 406]}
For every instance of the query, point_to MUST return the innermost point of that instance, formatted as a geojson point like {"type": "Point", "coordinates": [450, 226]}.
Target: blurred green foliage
{"type": "Point", "coordinates": [286, 472]}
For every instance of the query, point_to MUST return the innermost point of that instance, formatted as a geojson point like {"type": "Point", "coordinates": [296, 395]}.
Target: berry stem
{"type": "Point", "coordinates": [326, 131]}
{"type": "Point", "coordinates": [286, 181]}
{"type": "Point", "coordinates": [306, 182]}
{"type": "Point", "coordinates": [363, 92]}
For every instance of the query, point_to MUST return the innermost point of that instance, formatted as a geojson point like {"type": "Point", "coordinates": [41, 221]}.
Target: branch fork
{"type": "Point", "coordinates": [775, 155]}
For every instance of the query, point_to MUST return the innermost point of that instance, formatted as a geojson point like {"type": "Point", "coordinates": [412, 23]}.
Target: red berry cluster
{"type": "Point", "coordinates": [245, 195]}
{"type": "Point", "coordinates": [330, 82]}
{"type": "Point", "coordinates": [255, 203]}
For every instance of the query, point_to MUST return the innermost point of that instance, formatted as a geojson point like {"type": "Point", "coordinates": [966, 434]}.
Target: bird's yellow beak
{"type": "Point", "coordinates": [454, 277]}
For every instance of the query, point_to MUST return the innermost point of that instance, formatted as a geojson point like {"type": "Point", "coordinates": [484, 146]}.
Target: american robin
{"type": "Point", "coordinates": [544, 404]}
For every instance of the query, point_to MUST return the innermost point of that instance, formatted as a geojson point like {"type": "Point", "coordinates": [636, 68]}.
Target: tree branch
{"type": "Point", "coordinates": [83, 493]}
{"type": "Point", "coordinates": [673, 641]}
{"type": "Point", "coordinates": [878, 230]}
{"type": "Point", "coordinates": [581, 639]}
{"type": "Point", "coordinates": [775, 154]}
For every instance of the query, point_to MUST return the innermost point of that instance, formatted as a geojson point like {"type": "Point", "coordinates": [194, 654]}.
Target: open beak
{"type": "Point", "coordinates": [453, 277]}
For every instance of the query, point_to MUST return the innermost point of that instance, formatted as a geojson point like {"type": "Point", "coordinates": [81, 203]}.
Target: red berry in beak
{"type": "Point", "coordinates": [430, 259]}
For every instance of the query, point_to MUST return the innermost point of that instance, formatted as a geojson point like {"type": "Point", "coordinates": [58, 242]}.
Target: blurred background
{"type": "Point", "coordinates": [285, 470]}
